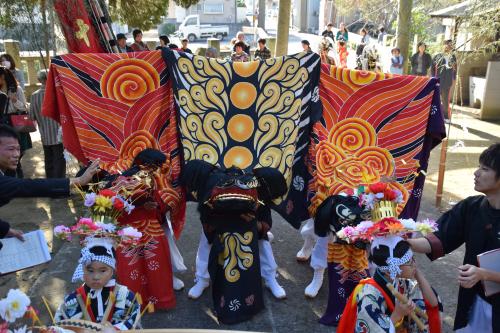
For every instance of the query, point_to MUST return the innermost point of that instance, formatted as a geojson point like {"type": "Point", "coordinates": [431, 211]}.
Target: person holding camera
{"type": "Point", "coordinates": [16, 104]}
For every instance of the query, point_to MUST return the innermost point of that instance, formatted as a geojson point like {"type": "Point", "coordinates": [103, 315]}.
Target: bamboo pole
{"type": "Point", "coordinates": [403, 299]}
{"type": "Point", "coordinates": [442, 169]}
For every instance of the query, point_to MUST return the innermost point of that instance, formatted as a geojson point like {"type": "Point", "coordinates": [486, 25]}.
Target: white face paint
{"type": "Point", "coordinates": [6, 64]}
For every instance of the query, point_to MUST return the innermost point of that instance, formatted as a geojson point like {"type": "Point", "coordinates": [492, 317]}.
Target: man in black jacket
{"type": "Point", "coordinates": [11, 187]}
{"type": "Point", "coordinates": [475, 222]}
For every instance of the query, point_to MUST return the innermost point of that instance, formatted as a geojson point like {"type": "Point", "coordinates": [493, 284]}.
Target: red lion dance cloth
{"type": "Point", "coordinates": [112, 106]}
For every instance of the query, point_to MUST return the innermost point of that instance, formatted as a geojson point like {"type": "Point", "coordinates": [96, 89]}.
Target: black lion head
{"type": "Point", "coordinates": [232, 190]}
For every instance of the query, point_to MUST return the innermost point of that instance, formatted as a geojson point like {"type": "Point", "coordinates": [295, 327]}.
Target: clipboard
{"type": "Point", "coordinates": [16, 255]}
{"type": "Point", "coordinates": [491, 261]}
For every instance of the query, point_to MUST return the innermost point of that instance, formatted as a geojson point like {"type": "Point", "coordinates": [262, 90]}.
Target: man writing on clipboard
{"type": "Point", "coordinates": [11, 187]}
{"type": "Point", "coordinates": [475, 222]}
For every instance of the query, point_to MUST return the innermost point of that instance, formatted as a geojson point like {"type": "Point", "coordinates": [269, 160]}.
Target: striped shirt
{"type": "Point", "coordinates": [48, 128]}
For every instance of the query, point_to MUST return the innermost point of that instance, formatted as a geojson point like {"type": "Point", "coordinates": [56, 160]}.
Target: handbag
{"type": "Point", "coordinates": [22, 123]}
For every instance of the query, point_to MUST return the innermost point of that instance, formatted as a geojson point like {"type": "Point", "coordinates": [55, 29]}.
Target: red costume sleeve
{"type": "Point", "coordinates": [434, 317]}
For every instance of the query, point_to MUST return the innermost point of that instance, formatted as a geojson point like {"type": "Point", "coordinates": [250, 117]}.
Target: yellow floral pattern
{"type": "Point", "coordinates": [242, 114]}
{"type": "Point", "coordinates": [237, 254]}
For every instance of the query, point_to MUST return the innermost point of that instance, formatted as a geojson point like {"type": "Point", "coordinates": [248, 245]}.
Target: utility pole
{"type": "Point", "coordinates": [403, 31]}
{"type": "Point", "coordinates": [283, 27]}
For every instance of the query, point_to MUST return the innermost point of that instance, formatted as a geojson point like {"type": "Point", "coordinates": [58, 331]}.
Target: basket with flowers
{"type": "Point", "coordinates": [105, 206]}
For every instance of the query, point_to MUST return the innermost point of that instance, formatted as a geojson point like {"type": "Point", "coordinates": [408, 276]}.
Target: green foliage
{"type": "Point", "coordinates": [420, 23]}
{"type": "Point", "coordinates": [186, 3]}
{"type": "Point", "coordinates": [15, 11]}
{"type": "Point", "coordinates": [240, 3]}
{"type": "Point", "coordinates": [142, 14]}
{"type": "Point", "coordinates": [166, 29]}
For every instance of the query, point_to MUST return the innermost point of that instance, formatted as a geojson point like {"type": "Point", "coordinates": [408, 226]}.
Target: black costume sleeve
{"type": "Point", "coordinates": [4, 228]}
{"type": "Point", "coordinates": [451, 232]}
{"type": "Point", "coordinates": [264, 215]}
{"type": "Point", "coordinates": [11, 188]}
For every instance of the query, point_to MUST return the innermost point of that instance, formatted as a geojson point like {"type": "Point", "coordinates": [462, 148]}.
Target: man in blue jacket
{"type": "Point", "coordinates": [11, 187]}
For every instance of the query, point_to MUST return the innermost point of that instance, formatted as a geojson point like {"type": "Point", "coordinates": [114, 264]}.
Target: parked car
{"type": "Point", "coordinates": [191, 29]}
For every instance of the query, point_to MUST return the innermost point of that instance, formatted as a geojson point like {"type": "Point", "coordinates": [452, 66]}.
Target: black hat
{"type": "Point", "coordinates": [150, 156]}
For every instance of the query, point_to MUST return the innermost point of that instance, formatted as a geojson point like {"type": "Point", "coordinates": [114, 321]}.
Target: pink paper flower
{"type": "Point", "coordinates": [130, 232]}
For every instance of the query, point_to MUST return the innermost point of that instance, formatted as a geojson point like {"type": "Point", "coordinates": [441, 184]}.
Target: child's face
{"type": "Point", "coordinates": [97, 274]}
{"type": "Point", "coordinates": [408, 270]}
{"type": "Point", "coordinates": [395, 53]}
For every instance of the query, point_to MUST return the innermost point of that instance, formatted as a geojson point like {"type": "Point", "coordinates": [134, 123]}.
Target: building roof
{"type": "Point", "coordinates": [466, 8]}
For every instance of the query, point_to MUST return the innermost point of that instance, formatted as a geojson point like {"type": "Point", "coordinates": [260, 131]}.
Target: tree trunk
{"type": "Point", "coordinates": [52, 19]}
{"type": "Point", "coordinates": [45, 28]}
{"type": "Point", "coordinates": [262, 14]}
{"type": "Point", "coordinates": [403, 33]}
{"type": "Point", "coordinates": [283, 27]}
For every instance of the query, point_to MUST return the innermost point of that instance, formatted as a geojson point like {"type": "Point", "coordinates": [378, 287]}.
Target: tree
{"type": "Point", "coordinates": [262, 14]}
{"type": "Point", "coordinates": [142, 14]}
{"type": "Point", "coordinates": [283, 27]}
{"type": "Point", "coordinates": [27, 15]}
{"type": "Point", "coordinates": [404, 26]}
{"type": "Point", "coordinates": [186, 3]}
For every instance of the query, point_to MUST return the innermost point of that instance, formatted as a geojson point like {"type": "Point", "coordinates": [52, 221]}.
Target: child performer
{"type": "Point", "coordinates": [96, 268]}
{"type": "Point", "coordinates": [372, 307]}
{"type": "Point", "coordinates": [343, 53]}
{"type": "Point", "coordinates": [396, 61]}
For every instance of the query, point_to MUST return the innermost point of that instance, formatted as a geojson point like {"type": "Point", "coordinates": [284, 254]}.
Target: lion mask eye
{"type": "Point", "coordinates": [246, 185]}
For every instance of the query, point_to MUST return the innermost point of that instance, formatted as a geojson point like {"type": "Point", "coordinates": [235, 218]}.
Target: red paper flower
{"type": "Point", "coordinates": [389, 224]}
{"type": "Point", "coordinates": [118, 204]}
{"type": "Point", "coordinates": [349, 192]}
{"type": "Point", "coordinates": [390, 195]}
{"type": "Point", "coordinates": [107, 193]}
{"type": "Point", "coordinates": [377, 187]}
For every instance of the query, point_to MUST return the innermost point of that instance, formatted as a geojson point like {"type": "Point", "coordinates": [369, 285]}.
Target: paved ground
{"type": "Point", "coordinates": [295, 314]}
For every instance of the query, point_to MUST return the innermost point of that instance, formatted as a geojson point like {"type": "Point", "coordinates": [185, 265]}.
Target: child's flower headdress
{"type": "Point", "coordinates": [383, 204]}
{"type": "Point", "coordinates": [105, 206]}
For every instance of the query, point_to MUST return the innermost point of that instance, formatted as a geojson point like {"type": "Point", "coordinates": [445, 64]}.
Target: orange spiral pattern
{"type": "Point", "coordinates": [327, 157]}
{"type": "Point", "coordinates": [351, 172]}
{"type": "Point", "coordinates": [356, 79]}
{"type": "Point", "coordinates": [378, 160]}
{"type": "Point", "coordinates": [352, 134]}
{"type": "Point", "coordinates": [348, 158]}
{"type": "Point", "coordinates": [128, 80]}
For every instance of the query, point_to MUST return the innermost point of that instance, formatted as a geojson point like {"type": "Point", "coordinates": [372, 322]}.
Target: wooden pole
{"type": "Point", "coordinates": [283, 27]}
{"type": "Point", "coordinates": [442, 169]}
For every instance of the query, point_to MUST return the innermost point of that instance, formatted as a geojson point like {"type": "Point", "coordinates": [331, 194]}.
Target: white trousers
{"type": "Point", "coordinates": [320, 250]}
{"type": "Point", "coordinates": [268, 264]}
{"type": "Point", "coordinates": [175, 254]}
{"type": "Point", "coordinates": [480, 318]}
